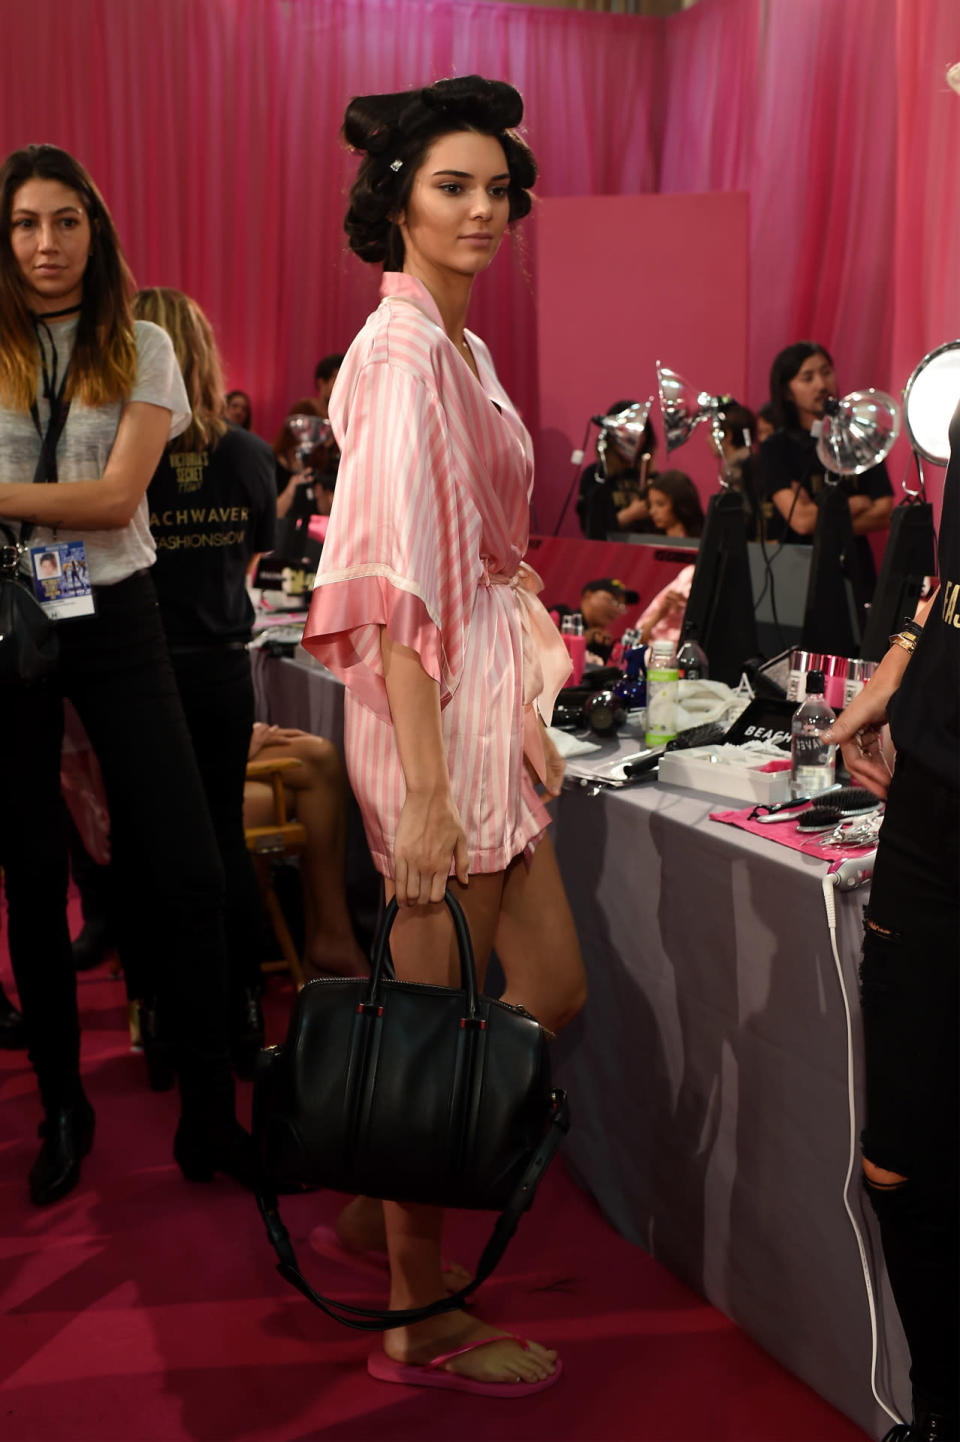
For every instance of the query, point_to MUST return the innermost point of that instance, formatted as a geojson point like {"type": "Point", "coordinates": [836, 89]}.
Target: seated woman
{"type": "Point", "coordinates": [613, 489]}
{"type": "Point", "coordinates": [676, 511]}
{"type": "Point", "coordinates": [318, 794]}
{"type": "Point", "coordinates": [791, 474]}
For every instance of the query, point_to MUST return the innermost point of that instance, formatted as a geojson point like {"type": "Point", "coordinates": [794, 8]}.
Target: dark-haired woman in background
{"type": "Point", "coordinates": [72, 357]}
{"type": "Point", "coordinates": [238, 410]}
{"type": "Point", "coordinates": [676, 511]}
{"type": "Point", "coordinates": [675, 506]}
{"type": "Point", "coordinates": [791, 475]}
{"type": "Point", "coordinates": [422, 606]}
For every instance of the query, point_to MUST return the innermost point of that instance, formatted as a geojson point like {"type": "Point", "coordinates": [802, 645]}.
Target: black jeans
{"type": "Point", "coordinates": [216, 690]}
{"type": "Point", "coordinates": [909, 993]}
{"type": "Point", "coordinates": [116, 670]}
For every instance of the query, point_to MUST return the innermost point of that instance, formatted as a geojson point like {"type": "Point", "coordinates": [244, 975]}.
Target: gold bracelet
{"type": "Point", "coordinates": [905, 641]}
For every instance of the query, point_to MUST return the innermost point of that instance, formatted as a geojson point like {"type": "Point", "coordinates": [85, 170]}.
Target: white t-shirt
{"type": "Point", "coordinates": [86, 443]}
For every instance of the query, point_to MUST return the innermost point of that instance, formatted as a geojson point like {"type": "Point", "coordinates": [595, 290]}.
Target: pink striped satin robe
{"type": "Point", "coordinates": [426, 536]}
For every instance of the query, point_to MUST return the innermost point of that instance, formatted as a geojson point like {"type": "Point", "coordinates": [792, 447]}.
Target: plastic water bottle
{"type": "Point", "coordinates": [692, 664]}
{"type": "Point", "coordinates": [813, 761]}
{"type": "Point", "coordinates": [662, 682]}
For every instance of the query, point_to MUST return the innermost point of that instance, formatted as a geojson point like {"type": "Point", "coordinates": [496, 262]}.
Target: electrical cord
{"type": "Point", "coordinates": [576, 477]}
{"type": "Point", "coordinates": [829, 883]}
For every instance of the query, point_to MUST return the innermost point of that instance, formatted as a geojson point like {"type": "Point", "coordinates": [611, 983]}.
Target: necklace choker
{"type": "Point", "coordinates": [56, 314]}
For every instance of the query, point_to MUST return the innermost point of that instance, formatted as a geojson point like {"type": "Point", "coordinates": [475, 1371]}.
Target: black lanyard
{"type": "Point", "coordinates": [46, 469]}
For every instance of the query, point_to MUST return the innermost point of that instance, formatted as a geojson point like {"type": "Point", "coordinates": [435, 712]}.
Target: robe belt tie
{"type": "Point", "coordinates": [546, 664]}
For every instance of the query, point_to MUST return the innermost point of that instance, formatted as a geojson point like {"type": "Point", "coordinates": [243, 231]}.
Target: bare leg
{"type": "Point", "coordinates": [537, 944]}
{"type": "Point", "coordinates": [319, 796]}
{"type": "Point", "coordinates": [413, 1232]}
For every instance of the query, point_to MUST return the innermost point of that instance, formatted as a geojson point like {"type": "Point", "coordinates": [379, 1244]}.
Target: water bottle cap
{"type": "Point", "coordinates": [814, 683]}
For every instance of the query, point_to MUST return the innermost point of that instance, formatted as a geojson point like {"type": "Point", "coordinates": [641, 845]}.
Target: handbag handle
{"type": "Point", "coordinates": [369, 1319]}
{"type": "Point", "coordinates": [468, 966]}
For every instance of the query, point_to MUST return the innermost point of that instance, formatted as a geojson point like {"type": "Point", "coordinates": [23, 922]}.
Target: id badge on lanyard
{"type": "Point", "coordinates": [61, 579]}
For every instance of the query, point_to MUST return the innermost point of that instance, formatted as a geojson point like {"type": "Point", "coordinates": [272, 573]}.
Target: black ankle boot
{"type": "Point", "coordinates": [201, 1152]}
{"type": "Point", "coordinates": [13, 1032]}
{"type": "Point", "coordinates": [209, 1138]}
{"type": "Point", "coordinates": [67, 1137]}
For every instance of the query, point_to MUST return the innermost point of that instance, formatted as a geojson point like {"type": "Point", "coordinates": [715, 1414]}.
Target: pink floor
{"type": "Point", "coordinates": [143, 1309]}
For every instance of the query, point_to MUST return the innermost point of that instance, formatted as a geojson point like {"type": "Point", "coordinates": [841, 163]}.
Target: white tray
{"type": "Point", "coordinates": [734, 771]}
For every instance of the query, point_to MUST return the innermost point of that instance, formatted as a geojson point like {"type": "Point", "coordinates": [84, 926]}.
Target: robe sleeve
{"type": "Point", "coordinates": [403, 543]}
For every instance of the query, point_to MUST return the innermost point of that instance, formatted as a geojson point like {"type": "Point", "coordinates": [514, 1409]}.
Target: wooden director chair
{"type": "Point", "coordinates": [266, 844]}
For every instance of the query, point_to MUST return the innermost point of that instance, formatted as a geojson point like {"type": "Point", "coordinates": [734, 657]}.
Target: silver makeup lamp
{"type": "Point", "coordinates": [720, 607]}
{"type": "Point", "coordinates": [929, 399]}
{"type": "Point", "coordinates": [856, 433]}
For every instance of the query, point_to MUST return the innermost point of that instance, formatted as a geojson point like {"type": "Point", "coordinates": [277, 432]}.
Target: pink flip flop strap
{"type": "Point", "coordinates": [472, 1347]}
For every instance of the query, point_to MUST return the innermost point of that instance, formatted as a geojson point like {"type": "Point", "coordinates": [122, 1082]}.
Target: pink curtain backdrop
{"type": "Point", "coordinates": [211, 126]}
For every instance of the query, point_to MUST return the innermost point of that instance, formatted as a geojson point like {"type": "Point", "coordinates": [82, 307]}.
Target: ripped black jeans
{"type": "Point", "coordinates": [911, 1019]}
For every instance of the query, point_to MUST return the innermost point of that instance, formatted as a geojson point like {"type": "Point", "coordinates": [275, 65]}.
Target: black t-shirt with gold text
{"type": "Point", "coordinates": [210, 511]}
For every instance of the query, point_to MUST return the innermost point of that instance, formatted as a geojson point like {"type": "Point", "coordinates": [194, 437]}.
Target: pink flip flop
{"type": "Point", "coordinates": [431, 1374]}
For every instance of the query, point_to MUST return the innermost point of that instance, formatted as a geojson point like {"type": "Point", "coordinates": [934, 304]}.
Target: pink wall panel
{"type": "Point", "coordinates": [623, 281]}
{"type": "Point", "coordinates": [565, 565]}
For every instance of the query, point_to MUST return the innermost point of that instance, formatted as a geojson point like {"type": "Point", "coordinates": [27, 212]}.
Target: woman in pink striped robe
{"type": "Point", "coordinates": [424, 607]}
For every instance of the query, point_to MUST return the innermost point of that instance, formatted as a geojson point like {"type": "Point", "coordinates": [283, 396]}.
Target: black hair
{"type": "Point", "coordinates": [103, 366]}
{"type": "Point", "coordinates": [684, 498]}
{"type": "Point", "coordinates": [740, 424]}
{"type": "Point", "coordinates": [231, 395]}
{"type": "Point", "coordinates": [327, 367]}
{"type": "Point", "coordinates": [395, 132]}
{"type": "Point", "coordinates": [787, 365]}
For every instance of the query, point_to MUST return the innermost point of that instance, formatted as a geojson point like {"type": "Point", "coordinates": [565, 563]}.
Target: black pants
{"type": "Point", "coordinates": [115, 668]}
{"type": "Point", "coordinates": [216, 689]}
{"type": "Point", "coordinates": [911, 1021]}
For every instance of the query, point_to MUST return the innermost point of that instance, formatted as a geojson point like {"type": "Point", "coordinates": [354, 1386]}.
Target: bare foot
{"type": "Point", "coordinates": [360, 1228]}
{"type": "Point", "coordinates": [505, 1360]}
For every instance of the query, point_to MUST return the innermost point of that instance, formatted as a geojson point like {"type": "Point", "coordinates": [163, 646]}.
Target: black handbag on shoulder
{"type": "Point", "coordinates": [411, 1093]}
{"type": "Point", "coordinates": [28, 638]}
{"type": "Point", "coordinates": [29, 648]}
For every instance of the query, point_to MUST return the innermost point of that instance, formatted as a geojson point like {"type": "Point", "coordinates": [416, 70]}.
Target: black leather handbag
{"type": "Point", "coordinates": [411, 1093]}
{"type": "Point", "coordinates": [29, 648]}
{"type": "Point", "coordinates": [28, 638]}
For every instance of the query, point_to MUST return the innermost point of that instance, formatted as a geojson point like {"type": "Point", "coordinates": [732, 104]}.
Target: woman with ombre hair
{"type": "Point", "coordinates": [89, 398]}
